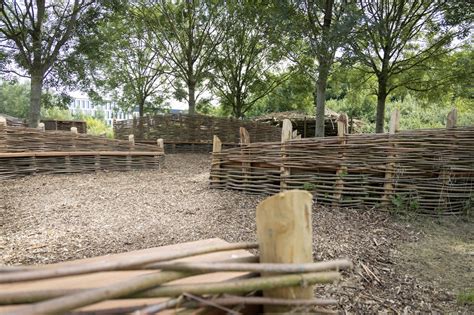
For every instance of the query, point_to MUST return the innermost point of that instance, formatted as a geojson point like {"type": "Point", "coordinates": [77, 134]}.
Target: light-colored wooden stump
{"type": "Point", "coordinates": [215, 163]}
{"type": "Point", "coordinates": [74, 130]}
{"type": "Point", "coordinates": [41, 126]}
{"type": "Point", "coordinates": [244, 141]}
{"type": "Point", "coordinates": [390, 168]}
{"type": "Point", "coordinates": [452, 118]}
{"type": "Point", "coordinates": [342, 124]}
{"type": "Point", "coordinates": [131, 140]}
{"type": "Point", "coordinates": [286, 135]}
{"type": "Point", "coordinates": [285, 235]}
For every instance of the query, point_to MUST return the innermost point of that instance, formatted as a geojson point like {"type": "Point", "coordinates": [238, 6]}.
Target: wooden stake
{"type": "Point", "coordinates": [286, 134]}
{"type": "Point", "coordinates": [452, 118]}
{"type": "Point", "coordinates": [131, 140]}
{"type": "Point", "coordinates": [342, 121]}
{"type": "Point", "coordinates": [390, 168]}
{"type": "Point", "coordinates": [215, 163]}
{"type": "Point", "coordinates": [285, 235]}
{"type": "Point", "coordinates": [244, 141]}
{"type": "Point", "coordinates": [41, 126]}
{"type": "Point", "coordinates": [161, 144]}
{"type": "Point", "coordinates": [74, 130]}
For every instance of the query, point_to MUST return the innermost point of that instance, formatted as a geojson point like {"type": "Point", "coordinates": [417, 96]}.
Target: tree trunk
{"type": "Point", "coordinates": [381, 97]}
{"type": "Point", "coordinates": [35, 98]}
{"type": "Point", "coordinates": [320, 98]}
{"type": "Point", "coordinates": [192, 97]}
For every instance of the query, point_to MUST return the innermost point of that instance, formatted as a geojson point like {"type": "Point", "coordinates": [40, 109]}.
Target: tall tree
{"type": "Point", "coordinates": [323, 27]}
{"type": "Point", "coordinates": [187, 37]}
{"type": "Point", "coordinates": [125, 65]}
{"type": "Point", "coordinates": [397, 36]}
{"type": "Point", "coordinates": [36, 35]}
{"type": "Point", "coordinates": [245, 60]}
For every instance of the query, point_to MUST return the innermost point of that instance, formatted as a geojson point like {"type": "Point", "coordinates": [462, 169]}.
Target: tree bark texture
{"type": "Point", "coordinates": [35, 98]}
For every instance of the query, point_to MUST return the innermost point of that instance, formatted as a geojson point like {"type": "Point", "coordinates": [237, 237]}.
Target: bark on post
{"type": "Point", "coordinates": [285, 235]}
{"type": "Point", "coordinates": [244, 142]}
{"type": "Point", "coordinates": [3, 135]}
{"type": "Point", "coordinates": [342, 124]}
{"type": "Point", "coordinates": [390, 168]}
{"type": "Point", "coordinates": [452, 119]}
{"type": "Point", "coordinates": [131, 140]}
{"type": "Point", "coordinates": [286, 134]}
{"type": "Point", "coordinates": [215, 163]}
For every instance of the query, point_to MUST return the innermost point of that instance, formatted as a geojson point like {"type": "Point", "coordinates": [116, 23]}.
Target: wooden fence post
{"type": "Point", "coordinates": [444, 175]}
{"type": "Point", "coordinates": [452, 118]}
{"type": "Point", "coordinates": [390, 168]}
{"type": "Point", "coordinates": [131, 140]}
{"type": "Point", "coordinates": [244, 142]}
{"type": "Point", "coordinates": [342, 125]}
{"type": "Point", "coordinates": [3, 135]}
{"type": "Point", "coordinates": [215, 163]}
{"type": "Point", "coordinates": [41, 126]}
{"type": "Point", "coordinates": [285, 235]}
{"type": "Point", "coordinates": [161, 147]}
{"type": "Point", "coordinates": [286, 134]}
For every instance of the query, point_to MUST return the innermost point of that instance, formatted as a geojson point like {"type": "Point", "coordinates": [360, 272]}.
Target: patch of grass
{"type": "Point", "coordinates": [466, 297]}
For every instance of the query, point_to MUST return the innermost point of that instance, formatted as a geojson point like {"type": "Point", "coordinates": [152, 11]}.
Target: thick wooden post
{"type": "Point", "coordinates": [131, 140]}
{"type": "Point", "coordinates": [285, 235]}
{"type": "Point", "coordinates": [390, 168]}
{"type": "Point", "coordinates": [342, 124]}
{"type": "Point", "coordinates": [452, 118]}
{"type": "Point", "coordinates": [3, 134]}
{"type": "Point", "coordinates": [215, 163]}
{"type": "Point", "coordinates": [244, 142]}
{"type": "Point", "coordinates": [286, 134]}
{"type": "Point", "coordinates": [41, 126]}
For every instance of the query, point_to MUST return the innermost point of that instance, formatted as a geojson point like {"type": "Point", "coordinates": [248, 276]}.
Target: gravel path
{"type": "Point", "coordinates": [46, 219]}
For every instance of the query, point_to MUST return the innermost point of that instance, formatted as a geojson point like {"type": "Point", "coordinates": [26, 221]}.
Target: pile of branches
{"type": "Point", "coordinates": [228, 295]}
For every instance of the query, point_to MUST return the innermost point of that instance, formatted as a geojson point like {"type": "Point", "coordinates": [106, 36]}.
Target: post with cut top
{"type": "Point", "coordinates": [215, 163]}
{"type": "Point", "coordinates": [161, 148]}
{"type": "Point", "coordinates": [244, 153]}
{"type": "Point", "coordinates": [285, 235]}
{"type": "Point", "coordinates": [41, 126]}
{"type": "Point", "coordinates": [342, 130]}
{"type": "Point", "coordinates": [3, 134]}
{"type": "Point", "coordinates": [286, 135]}
{"type": "Point", "coordinates": [390, 168]}
{"type": "Point", "coordinates": [131, 140]}
{"type": "Point", "coordinates": [452, 118]}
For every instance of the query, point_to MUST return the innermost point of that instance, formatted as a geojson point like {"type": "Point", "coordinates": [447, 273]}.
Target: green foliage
{"type": "Point", "coordinates": [309, 186]}
{"type": "Point", "coordinates": [466, 297]}
{"type": "Point", "coordinates": [14, 99]}
{"type": "Point", "coordinates": [404, 204]}
{"type": "Point", "coordinates": [96, 125]}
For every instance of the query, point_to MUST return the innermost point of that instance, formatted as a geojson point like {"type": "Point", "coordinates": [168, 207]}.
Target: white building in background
{"type": "Point", "coordinates": [110, 109]}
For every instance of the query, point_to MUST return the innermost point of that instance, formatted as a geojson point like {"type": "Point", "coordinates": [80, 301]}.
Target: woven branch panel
{"type": "Point", "coordinates": [422, 171]}
{"type": "Point", "coordinates": [25, 151]}
{"type": "Point", "coordinates": [193, 129]}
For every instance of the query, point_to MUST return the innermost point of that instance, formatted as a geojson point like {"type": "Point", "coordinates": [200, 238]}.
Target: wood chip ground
{"type": "Point", "coordinates": [46, 219]}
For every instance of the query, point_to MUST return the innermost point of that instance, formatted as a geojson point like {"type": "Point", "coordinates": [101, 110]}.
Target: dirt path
{"type": "Point", "coordinates": [45, 219]}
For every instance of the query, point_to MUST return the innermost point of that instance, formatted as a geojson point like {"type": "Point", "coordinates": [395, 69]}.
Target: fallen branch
{"type": "Point", "coordinates": [232, 300]}
{"type": "Point", "coordinates": [242, 286]}
{"type": "Point", "coordinates": [262, 267]}
{"type": "Point", "coordinates": [132, 262]}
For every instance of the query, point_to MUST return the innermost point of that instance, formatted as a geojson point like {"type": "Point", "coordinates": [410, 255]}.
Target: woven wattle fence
{"type": "Point", "coordinates": [422, 171]}
{"type": "Point", "coordinates": [25, 151]}
{"type": "Point", "coordinates": [193, 133]}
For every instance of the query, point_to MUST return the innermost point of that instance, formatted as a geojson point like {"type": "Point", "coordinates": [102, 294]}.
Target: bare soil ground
{"type": "Point", "coordinates": [400, 265]}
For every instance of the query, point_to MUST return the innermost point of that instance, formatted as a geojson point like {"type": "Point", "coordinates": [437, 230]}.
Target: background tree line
{"type": "Point", "coordinates": [248, 57]}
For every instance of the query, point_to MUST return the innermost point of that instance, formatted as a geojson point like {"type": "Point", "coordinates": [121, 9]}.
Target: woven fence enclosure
{"type": "Point", "coordinates": [196, 129]}
{"type": "Point", "coordinates": [25, 151]}
{"type": "Point", "coordinates": [422, 171]}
